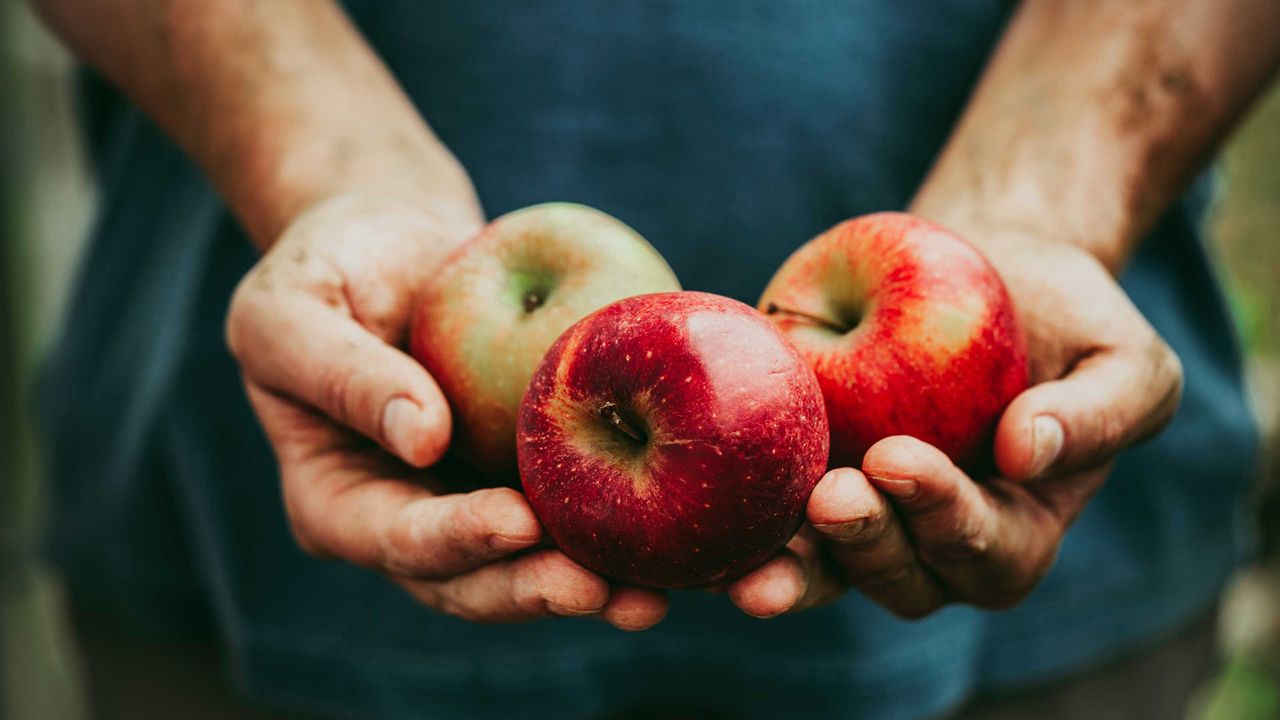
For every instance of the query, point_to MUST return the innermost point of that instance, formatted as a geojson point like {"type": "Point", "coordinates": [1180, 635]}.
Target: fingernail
{"type": "Point", "coordinates": [843, 531]}
{"type": "Point", "coordinates": [562, 611]}
{"type": "Point", "coordinates": [1046, 443]}
{"type": "Point", "coordinates": [401, 423]}
{"type": "Point", "coordinates": [900, 488]}
{"type": "Point", "coordinates": [504, 543]}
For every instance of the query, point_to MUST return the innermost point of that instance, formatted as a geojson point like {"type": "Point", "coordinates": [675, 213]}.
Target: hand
{"type": "Point", "coordinates": [317, 327]}
{"type": "Point", "coordinates": [914, 533]}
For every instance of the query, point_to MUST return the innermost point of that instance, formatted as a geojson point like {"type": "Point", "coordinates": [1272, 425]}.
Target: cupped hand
{"type": "Point", "coordinates": [318, 328]}
{"type": "Point", "coordinates": [914, 533]}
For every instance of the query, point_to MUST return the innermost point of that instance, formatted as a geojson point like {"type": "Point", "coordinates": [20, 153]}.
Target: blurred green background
{"type": "Point", "coordinates": [46, 201]}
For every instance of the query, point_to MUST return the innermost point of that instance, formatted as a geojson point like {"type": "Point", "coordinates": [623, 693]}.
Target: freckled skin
{"type": "Point", "coordinates": [735, 439]}
{"type": "Point", "coordinates": [485, 320]}
{"type": "Point", "coordinates": [934, 351]}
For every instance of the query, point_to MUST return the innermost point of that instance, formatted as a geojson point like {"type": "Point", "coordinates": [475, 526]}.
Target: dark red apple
{"type": "Point", "coordinates": [910, 331]}
{"type": "Point", "coordinates": [672, 440]}
{"type": "Point", "coordinates": [488, 316]}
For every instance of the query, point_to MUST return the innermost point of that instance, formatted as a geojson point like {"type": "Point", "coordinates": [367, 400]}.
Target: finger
{"type": "Point", "coordinates": [542, 584]}
{"type": "Point", "coordinates": [990, 545]}
{"type": "Point", "coordinates": [299, 346]}
{"type": "Point", "coordinates": [1108, 402]}
{"type": "Point", "coordinates": [867, 541]}
{"type": "Point", "coordinates": [798, 578]}
{"type": "Point", "coordinates": [343, 501]}
{"type": "Point", "coordinates": [771, 589]}
{"type": "Point", "coordinates": [633, 608]}
{"type": "Point", "coordinates": [397, 528]}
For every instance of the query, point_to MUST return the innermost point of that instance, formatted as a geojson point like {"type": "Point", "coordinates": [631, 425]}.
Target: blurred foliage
{"type": "Point", "coordinates": [1246, 229]}
{"type": "Point", "coordinates": [1244, 691]}
{"type": "Point", "coordinates": [1246, 226]}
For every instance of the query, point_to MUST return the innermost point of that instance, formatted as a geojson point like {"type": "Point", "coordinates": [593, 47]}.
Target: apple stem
{"type": "Point", "coordinates": [774, 309]}
{"type": "Point", "coordinates": [609, 411]}
{"type": "Point", "coordinates": [533, 300]}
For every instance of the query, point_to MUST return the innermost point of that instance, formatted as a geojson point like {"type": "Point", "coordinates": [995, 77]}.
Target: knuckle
{"type": "Point", "coordinates": [307, 539]}
{"type": "Point", "coordinates": [1109, 433]}
{"type": "Point", "coordinates": [891, 576]}
{"type": "Point", "coordinates": [1010, 588]}
{"type": "Point", "coordinates": [1171, 370]}
{"type": "Point", "coordinates": [1166, 373]}
{"type": "Point", "coordinates": [481, 505]}
{"type": "Point", "coordinates": [452, 607]}
{"type": "Point", "coordinates": [1171, 364]}
{"type": "Point", "coordinates": [969, 542]}
{"type": "Point", "coordinates": [308, 545]}
{"type": "Point", "coordinates": [938, 504]}
{"type": "Point", "coordinates": [913, 608]}
{"type": "Point", "coordinates": [403, 549]}
{"type": "Point", "coordinates": [464, 525]}
{"type": "Point", "coordinates": [860, 534]}
{"type": "Point", "coordinates": [430, 595]}
{"type": "Point", "coordinates": [239, 316]}
{"type": "Point", "coordinates": [1007, 597]}
{"type": "Point", "coordinates": [529, 599]}
{"type": "Point", "coordinates": [459, 598]}
{"type": "Point", "coordinates": [300, 524]}
{"type": "Point", "coordinates": [334, 388]}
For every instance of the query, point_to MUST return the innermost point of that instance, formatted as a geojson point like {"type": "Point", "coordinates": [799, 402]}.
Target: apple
{"type": "Point", "coordinates": [910, 331]}
{"type": "Point", "coordinates": [483, 323]}
{"type": "Point", "coordinates": [672, 440]}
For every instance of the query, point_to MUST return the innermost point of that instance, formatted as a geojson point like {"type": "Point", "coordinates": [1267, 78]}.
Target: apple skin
{"type": "Point", "coordinates": [934, 350]}
{"type": "Point", "coordinates": [500, 300]}
{"type": "Point", "coordinates": [729, 440]}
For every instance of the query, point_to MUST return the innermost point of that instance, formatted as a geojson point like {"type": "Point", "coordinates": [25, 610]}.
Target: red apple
{"type": "Point", "coordinates": [672, 440]}
{"type": "Point", "coordinates": [486, 319]}
{"type": "Point", "coordinates": [910, 331]}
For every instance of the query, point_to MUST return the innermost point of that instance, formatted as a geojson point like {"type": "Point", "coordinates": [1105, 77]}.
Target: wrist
{"type": "Point", "coordinates": [416, 231]}
{"type": "Point", "coordinates": [271, 188]}
{"type": "Point", "coordinates": [999, 224]}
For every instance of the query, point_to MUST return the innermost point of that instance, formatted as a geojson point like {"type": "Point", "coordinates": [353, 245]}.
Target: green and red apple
{"type": "Point", "coordinates": [672, 440]}
{"type": "Point", "coordinates": [910, 331]}
{"type": "Point", "coordinates": [499, 302]}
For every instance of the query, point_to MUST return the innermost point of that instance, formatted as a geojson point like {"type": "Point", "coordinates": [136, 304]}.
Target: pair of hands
{"type": "Point", "coordinates": [355, 423]}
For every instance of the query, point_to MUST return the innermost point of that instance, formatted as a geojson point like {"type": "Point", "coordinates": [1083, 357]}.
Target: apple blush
{"type": "Point", "coordinates": [481, 326]}
{"type": "Point", "coordinates": [910, 331]}
{"type": "Point", "coordinates": [672, 440]}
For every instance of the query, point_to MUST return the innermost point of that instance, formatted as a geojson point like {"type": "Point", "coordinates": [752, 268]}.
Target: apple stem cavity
{"type": "Point", "coordinates": [533, 300]}
{"type": "Point", "coordinates": [775, 309]}
{"type": "Point", "coordinates": [609, 411]}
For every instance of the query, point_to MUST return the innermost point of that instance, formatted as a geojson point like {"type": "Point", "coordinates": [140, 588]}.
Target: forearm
{"type": "Point", "coordinates": [1093, 116]}
{"type": "Point", "coordinates": [281, 103]}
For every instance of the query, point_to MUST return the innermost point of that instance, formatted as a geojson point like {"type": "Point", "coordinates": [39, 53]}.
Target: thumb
{"type": "Point", "coordinates": [1107, 402]}
{"type": "Point", "coordinates": [300, 347]}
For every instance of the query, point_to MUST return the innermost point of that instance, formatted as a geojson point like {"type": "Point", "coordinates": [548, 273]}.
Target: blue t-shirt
{"type": "Point", "coordinates": [727, 132]}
